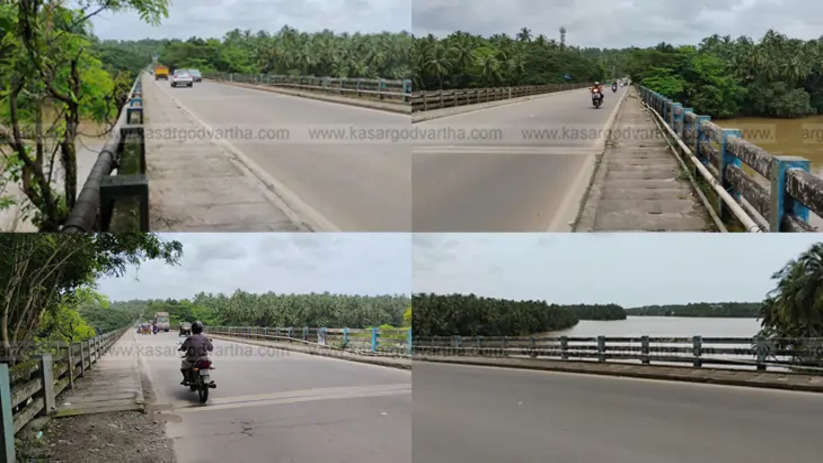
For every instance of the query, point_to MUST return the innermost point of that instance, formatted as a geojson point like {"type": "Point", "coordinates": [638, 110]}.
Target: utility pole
{"type": "Point", "coordinates": [562, 37]}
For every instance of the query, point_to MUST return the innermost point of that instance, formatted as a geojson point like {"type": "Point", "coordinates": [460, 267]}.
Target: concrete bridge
{"type": "Point", "coordinates": [273, 402]}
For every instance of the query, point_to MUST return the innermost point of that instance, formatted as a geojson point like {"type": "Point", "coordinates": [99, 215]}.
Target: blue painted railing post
{"type": "Point", "coordinates": [345, 337]}
{"type": "Point", "coordinates": [374, 335]}
{"type": "Point", "coordinates": [727, 158]}
{"type": "Point", "coordinates": [321, 336]}
{"type": "Point", "coordinates": [6, 420]}
{"type": "Point", "coordinates": [781, 202]}
{"type": "Point", "coordinates": [410, 341]}
{"type": "Point", "coordinates": [291, 333]}
{"type": "Point", "coordinates": [702, 136]}
{"type": "Point", "coordinates": [677, 117]}
{"type": "Point", "coordinates": [684, 124]}
{"type": "Point", "coordinates": [305, 333]}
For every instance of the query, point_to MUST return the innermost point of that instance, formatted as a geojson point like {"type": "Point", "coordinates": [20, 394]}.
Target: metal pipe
{"type": "Point", "coordinates": [750, 225]}
{"type": "Point", "coordinates": [83, 216]}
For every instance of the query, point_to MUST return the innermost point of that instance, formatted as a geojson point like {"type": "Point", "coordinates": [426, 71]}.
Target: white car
{"type": "Point", "coordinates": [181, 79]}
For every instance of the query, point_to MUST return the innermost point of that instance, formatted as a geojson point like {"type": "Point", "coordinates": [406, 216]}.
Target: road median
{"type": "Point", "coordinates": [768, 380]}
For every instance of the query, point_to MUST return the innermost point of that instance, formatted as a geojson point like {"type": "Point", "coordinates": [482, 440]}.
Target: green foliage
{"type": "Point", "coordinates": [700, 309]}
{"type": "Point", "coordinates": [270, 309]}
{"type": "Point", "coordinates": [43, 274]}
{"type": "Point", "coordinates": [407, 317]}
{"type": "Point", "coordinates": [463, 60]}
{"type": "Point", "coordinates": [776, 77]}
{"type": "Point", "coordinates": [50, 80]}
{"type": "Point", "coordinates": [287, 52]}
{"type": "Point", "coordinates": [470, 315]}
{"type": "Point", "coordinates": [794, 308]}
{"type": "Point", "coordinates": [598, 311]}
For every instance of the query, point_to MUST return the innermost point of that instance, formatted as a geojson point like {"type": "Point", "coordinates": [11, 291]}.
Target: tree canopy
{"type": "Point", "coordinates": [43, 276]}
{"type": "Point", "coordinates": [280, 310]}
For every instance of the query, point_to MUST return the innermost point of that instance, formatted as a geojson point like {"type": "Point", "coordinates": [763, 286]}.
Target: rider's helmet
{"type": "Point", "coordinates": [596, 84]}
{"type": "Point", "coordinates": [197, 327]}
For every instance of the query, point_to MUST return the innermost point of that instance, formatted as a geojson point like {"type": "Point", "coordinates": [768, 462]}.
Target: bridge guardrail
{"type": "Point", "coordinates": [781, 203]}
{"type": "Point", "coordinates": [30, 388]}
{"type": "Point", "coordinates": [382, 89]}
{"type": "Point", "coordinates": [371, 341]}
{"type": "Point", "coordinates": [698, 351]}
{"type": "Point", "coordinates": [118, 202]}
{"type": "Point", "coordinates": [436, 99]}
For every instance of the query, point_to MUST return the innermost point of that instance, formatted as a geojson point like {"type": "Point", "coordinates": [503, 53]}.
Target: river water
{"type": "Point", "coordinates": [788, 137]}
{"type": "Point", "coordinates": [665, 327]}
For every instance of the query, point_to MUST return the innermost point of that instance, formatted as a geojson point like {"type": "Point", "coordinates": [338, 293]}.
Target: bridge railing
{"type": "Point", "coordinates": [381, 89]}
{"type": "Point", "coordinates": [757, 352]}
{"type": "Point", "coordinates": [115, 196]}
{"type": "Point", "coordinates": [436, 99]}
{"type": "Point", "coordinates": [29, 389]}
{"type": "Point", "coordinates": [372, 341]}
{"type": "Point", "coordinates": [777, 190]}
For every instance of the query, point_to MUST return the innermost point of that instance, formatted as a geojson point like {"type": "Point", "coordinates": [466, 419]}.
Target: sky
{"type": "Point", "coordinates": [627, 269]}
{"type": "Point", "coordinates": [344, 263]}
{"type": "Point", "coordinates": [621, 23]}
{"type": "Point", "coordinates": [213, 18]}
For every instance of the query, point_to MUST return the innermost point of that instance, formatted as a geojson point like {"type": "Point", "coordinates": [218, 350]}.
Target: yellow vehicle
{"type": "Point", "coordinates": [161, 72]}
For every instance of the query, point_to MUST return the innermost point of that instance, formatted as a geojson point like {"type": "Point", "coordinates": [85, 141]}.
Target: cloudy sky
{"type": "Point", "coordinates": [627, 269]}
{"type": "Point", "coordinates": [621, 23]}
{"type": "Point", "coordinates": [346, 263]}
{"type": "Point", "coordinates": [213, 18]}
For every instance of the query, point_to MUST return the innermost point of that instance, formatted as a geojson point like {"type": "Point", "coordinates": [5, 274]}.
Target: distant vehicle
{"type": "Point", "coordinates": [161, 72]}
{"type": "Point", "coordinates": [161, 321]}
{"type": "Point", "coordinates": [181, 78]}
{"type": "Point", "coordinates": [185, 329]}
{"type": "Point", "coordinates": [195, 74]}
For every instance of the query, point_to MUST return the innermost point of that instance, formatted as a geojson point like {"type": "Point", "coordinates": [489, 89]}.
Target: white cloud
{"type": "Point", "coordinates": [621, 24]}
{"type": "Point", "coordinates": [213, 18]}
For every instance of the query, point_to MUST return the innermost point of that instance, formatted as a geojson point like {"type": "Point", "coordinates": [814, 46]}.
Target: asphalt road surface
{"type": "Point", "coordinates": [321, 151]}
{"type": "Point", "coordinates": [478, 414]}
{"type": "Point", "coordinates": [520, 167]}
{"type": "Point", "coordinates": [278, 406]}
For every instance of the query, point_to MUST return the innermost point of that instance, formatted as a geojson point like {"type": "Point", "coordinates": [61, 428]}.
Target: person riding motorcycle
{"type": "Point", "coordinates": [597, 91]}
{"type": "Point", "coordinates": [197, 346]}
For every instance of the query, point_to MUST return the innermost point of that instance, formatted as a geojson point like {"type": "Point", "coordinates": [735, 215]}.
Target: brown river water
{"type": "Point", "coordinates": [789, 137]}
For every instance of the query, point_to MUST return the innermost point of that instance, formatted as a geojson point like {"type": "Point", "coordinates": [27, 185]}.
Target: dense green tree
{"type": "Point", "coordinates": [700, 309]}
{"type": "Point", "coordinates": [41, 273]}
{"type": "Point", "coordinates": [794, 308]}
{"type": "Point", "coordinates": [470, 315]}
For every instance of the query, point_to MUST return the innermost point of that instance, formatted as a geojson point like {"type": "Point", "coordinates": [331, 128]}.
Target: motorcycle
{"type": "Point", "coordinates": [200, 379]}
{"type": "Point", "coordinates": [597, 98]}
{"type": "Point", "coordinates": [614, 87]}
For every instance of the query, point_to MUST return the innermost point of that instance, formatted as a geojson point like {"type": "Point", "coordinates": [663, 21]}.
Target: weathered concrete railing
{"type": "Point", "coordinates": [382, 89]}
{"type": "Point", "coordinates": [120, 201]}
{"type": "Point", "coordinates": [29, 389]}
{"type": "Point", "coordinates": [789, 191]}
{"type": "Point", "coordinates": [436, 99]}
{"type": "Point", "coordinates": [757, 352]}
{"type": "Point", "coordinates": [395, 341]}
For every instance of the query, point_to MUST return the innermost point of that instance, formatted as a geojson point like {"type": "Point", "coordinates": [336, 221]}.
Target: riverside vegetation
{"type": "Point", "coordinates": [776, 76]}
{"type": "Point", "coordinates": [55, 73]}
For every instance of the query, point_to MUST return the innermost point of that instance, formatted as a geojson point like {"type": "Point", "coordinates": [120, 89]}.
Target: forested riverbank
{"type": "Point", "coordinates": [774, 76]}
{"type": "Point", "coordinates": [470, 315]}
{"type": "Point", "coordinates": [700, 309]}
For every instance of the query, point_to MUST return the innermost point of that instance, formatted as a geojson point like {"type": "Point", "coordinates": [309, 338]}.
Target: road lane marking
{"type": "Point", "coordinates": [291, 397]}
{"type": "Point", "coordinates": [506, 149]}
{"type": "Point", "coordinates": [294, 207]}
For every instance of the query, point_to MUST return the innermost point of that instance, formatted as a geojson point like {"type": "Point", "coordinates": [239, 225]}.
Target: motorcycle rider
{"type": "Point", "coordinates": [599, 87]}
{"type": "Point", "coordinates": [196, 346]}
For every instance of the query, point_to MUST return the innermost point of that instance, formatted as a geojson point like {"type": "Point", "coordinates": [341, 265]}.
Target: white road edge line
{"type": "Point", "coordinates": [297, 210]}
